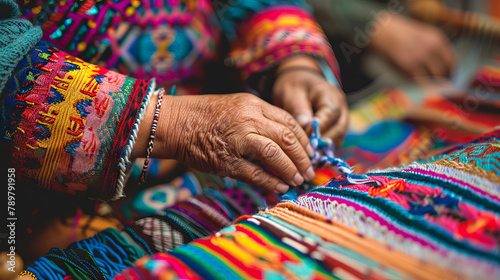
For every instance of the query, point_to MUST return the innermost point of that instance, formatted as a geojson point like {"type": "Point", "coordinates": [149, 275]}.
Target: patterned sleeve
{"type": "Point", "coordinates": [71, 125]}
{"type": "Point", "coordinates": [265, 32]}
{"type": "Point", "coordinates": [68, 125]}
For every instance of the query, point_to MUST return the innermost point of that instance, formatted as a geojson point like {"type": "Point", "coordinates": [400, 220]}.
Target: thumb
{"type": "Point", "coordinates": [296, 102]}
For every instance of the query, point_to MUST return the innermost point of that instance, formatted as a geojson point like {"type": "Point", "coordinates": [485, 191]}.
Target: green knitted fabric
{"type": "Point", "coordinates": [17, 38]}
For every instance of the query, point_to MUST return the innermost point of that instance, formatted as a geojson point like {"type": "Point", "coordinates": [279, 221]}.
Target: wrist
{"type": "Point", "coordinates": [299, 61]}
{"type": "Point", "coordinates": [169, 126]}
{"type": "Point", "coordinates": [166, 140]}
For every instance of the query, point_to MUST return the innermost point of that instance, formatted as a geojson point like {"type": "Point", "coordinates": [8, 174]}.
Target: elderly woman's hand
{"type": "Point", "coordinates": [233, 136]}
{"type": "Point", "coordinates": [301, 90]}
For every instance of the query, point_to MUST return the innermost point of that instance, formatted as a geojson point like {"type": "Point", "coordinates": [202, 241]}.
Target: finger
{"type": "Point", "coordinates": [443, 50]}
{"type": "Point", "coordinates": [447, 56]}
{"type": "Point", "coordinates": [327, 100]}
{"type": "Point", "coordinates": [255, 175]}
{"type": "Point", "coordinates": [296, 101]}
{"type": "Point", "coordinates": [418, 71]}
{"type": "Point", "coordinates": [275, 114]}
{"type": "Point", "coordinates": [338, 132]}
{"type": "Point", "coordinates": [291, 148]}
{"type": "Point", "coordinates": [435, 66]}
{"type": "Point", "coordinates": [411, 65]}
{"type": "Point", "coordinates": [260, 149]}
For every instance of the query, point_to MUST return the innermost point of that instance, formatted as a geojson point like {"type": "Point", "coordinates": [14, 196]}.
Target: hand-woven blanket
{"type": "Point", "coordinates": [431, 219]}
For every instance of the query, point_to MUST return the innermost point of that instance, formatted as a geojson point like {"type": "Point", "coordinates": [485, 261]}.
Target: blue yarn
{"type": "Point", "coordinates": [109, 250]}
{"type": "Point", "coordinates": [324, 157]}
{"type": "Point", "coordinates": [324, 151]}
{"type": "Point", "coordinates": [117, 247]}
{"type": "Point", "coordinates": [45, 269]}
{"type": "Point", "coordinates": [63, 255]}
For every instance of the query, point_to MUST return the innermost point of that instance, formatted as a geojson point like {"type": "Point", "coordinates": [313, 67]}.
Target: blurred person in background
{"type": "Point", "coordinates": [415, 49]}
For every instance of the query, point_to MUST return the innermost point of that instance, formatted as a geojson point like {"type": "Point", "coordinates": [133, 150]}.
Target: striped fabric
{"type": "Point", "coordinates": [431, 219]}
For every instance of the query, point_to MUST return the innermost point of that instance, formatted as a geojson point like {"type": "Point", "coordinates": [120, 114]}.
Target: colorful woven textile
{"type": "Point", "coordinates": [71, 125]}
{"type": "Point", "coordinates": [432, 219]}
{"type": "Point", "coordinates": [228, 195]}
{"type": "Point", "coordinates": [188, 220]}
{"type": "Point", "coordinates": [144, 39]}
{"type": "Point", "coordinates": [174, 40]}
{"type": "Point", "coordinates": [153, 200]}
{"type": "Point", "coordinates": [99, 257]}
{"type": "Point", "coordinates": [486, 84]}
{"type": "Point", "coordinates": [275, 34]}
{"type": "Point", "coordinates": [398, 126]}
{"type": "Point", "coordinates": [387, 143]}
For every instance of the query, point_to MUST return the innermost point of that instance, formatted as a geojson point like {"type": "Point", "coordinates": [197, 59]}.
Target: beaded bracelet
{"type": "Point", "coordinates": [142, 178]}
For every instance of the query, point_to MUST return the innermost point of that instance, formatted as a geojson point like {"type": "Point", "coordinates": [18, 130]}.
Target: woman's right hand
{"type": "Point", "coordinates": [233, 136]}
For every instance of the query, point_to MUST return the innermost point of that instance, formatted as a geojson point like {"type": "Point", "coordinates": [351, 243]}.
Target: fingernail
{"type": "Point", "coordinates": [303, 119]}
{"type": "Point", "coordinates": [310, 174]}
{"type": "Point", "coordinates": [298, 179]}
{"type": "Point", "coordinates": [282, 188]}
{"type": "Point", "coordinates": [309, 150]}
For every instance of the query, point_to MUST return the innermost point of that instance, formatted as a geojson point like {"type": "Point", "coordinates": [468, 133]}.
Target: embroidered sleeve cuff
{"type": "Point", "coordinates": [72, 125]}
{"type": "Point", "coordinates": [278, 33]}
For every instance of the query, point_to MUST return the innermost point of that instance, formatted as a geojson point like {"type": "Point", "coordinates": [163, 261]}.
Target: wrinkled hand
{"type": "Point", "coordinates": [305, 94]}
{"type": "Point", "coordinates": [233, 136]}
{"type": "Point", "coordinates": [415, 48]}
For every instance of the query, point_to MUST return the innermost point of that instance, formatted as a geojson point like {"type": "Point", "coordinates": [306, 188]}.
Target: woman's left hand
{"type": "Point", "coordinates": [305, 93]}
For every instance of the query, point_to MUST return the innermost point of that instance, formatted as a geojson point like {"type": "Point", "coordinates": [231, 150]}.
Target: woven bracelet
{"type": "Point", "coordinates": [142, 179]}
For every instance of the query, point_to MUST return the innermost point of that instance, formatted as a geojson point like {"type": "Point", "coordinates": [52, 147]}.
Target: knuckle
{"type": "Point", "coordinates": [330, 112]}
{"type": "Point", "coordinates": [320, 87]}
{"type": "Point", "coordinates": [288, 137]}
{"type": "Point", "coordinates": [335, 111]}
{"type": "Point", "coordinates": [249, 147]}
{"type": "Point", "coordinates": [270, 151]}
{"type": "Point", "coordinates": [234, 169]}
{"type": "Point", "coordinates": [257, 176]}
{"type": "Point", "coordinates": [290, 121]}
{"type": "Point", "coordinates": [244, 100]}
{"type": "Point", "coordinates": [248, 98]}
